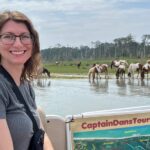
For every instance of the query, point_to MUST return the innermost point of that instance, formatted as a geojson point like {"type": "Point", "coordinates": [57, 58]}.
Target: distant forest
{"type": "Point", "coordinates": [121, 47]}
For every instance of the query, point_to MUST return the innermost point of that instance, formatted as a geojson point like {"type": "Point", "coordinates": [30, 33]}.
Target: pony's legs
{"type": "Point", "coordinates": [93, 76]}
{"type": "Point", "coordinates": [132, 74]}
{"type": "Point", "coordinates": [138, 74]}
{"type": "Point", "coordinates": [89, 75]}
{"type": "Point", "coordinates": [106, 72]}
{"type": "Point", "coordinates": [98, 75]}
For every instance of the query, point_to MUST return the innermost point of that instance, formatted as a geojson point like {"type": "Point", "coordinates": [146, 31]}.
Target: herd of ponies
{"type": "Point", "coordinates": [120, 67]}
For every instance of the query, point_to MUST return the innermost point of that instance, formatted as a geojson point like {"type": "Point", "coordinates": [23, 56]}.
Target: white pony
{"type": "Point", "coordinates": [134, 68]}
{"type": "Point", "coordinates": [116, 63]}
{"type": "Point", "coordinates": [148, 61]}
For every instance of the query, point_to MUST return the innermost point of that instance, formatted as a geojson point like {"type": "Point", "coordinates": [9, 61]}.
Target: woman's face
{"type": "Point", "coordinates": [15, 50]}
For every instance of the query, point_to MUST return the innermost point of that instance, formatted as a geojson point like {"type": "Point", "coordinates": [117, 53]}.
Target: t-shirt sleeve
{"type": "Point", "coordinates": [3, 105]}
{"type": "Point", "coordinates": [4, 99]}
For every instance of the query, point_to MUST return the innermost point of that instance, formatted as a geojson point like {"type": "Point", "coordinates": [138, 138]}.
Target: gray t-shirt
{"type": "Point", "coordinates": [20, 125]}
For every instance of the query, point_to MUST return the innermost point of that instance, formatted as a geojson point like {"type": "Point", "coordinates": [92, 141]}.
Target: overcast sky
{"type": "Point", "coordinates": [78, 22]}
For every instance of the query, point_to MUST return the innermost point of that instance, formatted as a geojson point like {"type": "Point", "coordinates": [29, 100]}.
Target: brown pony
{"type": "Point", "coordinates": [120, 72]}
{"type": "Point", "coordinates": [97, 69]}
{"type": "Point", "coordinates": [45, 71]}
{"type": "Point", "coordinates": [145, 70]}
{"type": "Point", "coordinates": [42, 72]}
{"type": "Point", "coordinates": [103, 69]}
{"type": "Point", "coordinates": [93, 71]}
{"type": "Point", "coordinates": [78, 65]}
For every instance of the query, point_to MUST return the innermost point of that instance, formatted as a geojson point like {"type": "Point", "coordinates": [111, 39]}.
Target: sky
{"type": "Point", "coordinates": [81, 22]}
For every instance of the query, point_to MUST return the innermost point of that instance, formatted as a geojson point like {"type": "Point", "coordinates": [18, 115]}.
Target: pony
{"type": "Point", "coordinates": [41, 72]}
{"type": "Point", "coordinates": [45, 71]}
{"type": "Point", "coordinates": [78, 65]}
{"type": "Point", "coordinates": [145, 69]}
{"type": "Point", "coordinates": [57, 63]}
{"type": "Point", "coordinates": [148, 61]}
{"type": "Point", "coordinates": [103, 68]}
{"type": "Point", "coordinates": [116, 63]}
{"type": "Point", "coordinates": [121, 71]}
{"type": "Point", "coordinates": [97, 69]}
{"type": "Point", "coordinates": [134, 68]}
{"type": "Point", "coordinates": [94, 71]}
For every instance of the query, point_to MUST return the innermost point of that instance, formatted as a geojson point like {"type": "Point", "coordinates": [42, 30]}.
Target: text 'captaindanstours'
{"type": "Point", "coordinates": [114, 123]}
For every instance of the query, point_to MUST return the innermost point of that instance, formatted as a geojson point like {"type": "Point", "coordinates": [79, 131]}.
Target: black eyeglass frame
{"type": "Point", "coordinates": [15, 36]}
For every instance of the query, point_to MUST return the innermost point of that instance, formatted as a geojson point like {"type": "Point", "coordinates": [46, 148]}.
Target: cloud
{"type": "Point", "coordinates": [77, 22]}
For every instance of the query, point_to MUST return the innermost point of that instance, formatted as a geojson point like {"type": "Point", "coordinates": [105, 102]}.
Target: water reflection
{"type": "Point", "coordinates": [121, 82]}
{"type": "Point", "coordinates": [133, 82]}
{"type": "Point", "coordinates": [122, 87]}
{"type": "Point", "coordinates": [83, 96]}
{"type": "Point", "coordinates": [138, 82]}
{"type": "Point", "coordinates": [42, 82]}
{"type": "Point", "coordinates": [139, 87]}
{"type": "Point", "coordinates": [99, 85]}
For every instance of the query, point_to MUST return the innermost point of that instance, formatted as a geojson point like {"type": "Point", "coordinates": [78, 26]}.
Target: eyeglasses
{"type": "Point", "coordinates": [9, 39]}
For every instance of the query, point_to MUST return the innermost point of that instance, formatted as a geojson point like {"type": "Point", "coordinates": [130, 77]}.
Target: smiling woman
{"type": "Point", "coordinates": [15, 50]}
{"type": "Point", "coordinates": [19, 59]}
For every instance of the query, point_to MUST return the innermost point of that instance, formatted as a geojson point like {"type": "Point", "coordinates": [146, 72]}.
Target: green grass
{"type": "Point", "coordinates": [70, 67]}
{"type": "Point", "coordinates": [66, 69]}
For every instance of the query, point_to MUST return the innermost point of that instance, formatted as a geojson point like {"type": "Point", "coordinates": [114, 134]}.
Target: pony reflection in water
{"type": "Point", "coordinates": [99, 85]}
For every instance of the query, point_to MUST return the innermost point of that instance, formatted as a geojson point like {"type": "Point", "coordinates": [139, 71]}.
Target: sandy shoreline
{"type": "Point", "coordinates": [82, 76]}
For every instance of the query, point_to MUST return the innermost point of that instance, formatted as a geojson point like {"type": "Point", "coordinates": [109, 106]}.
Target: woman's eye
{"type": "Point", "coordinates": [7, 37]}
{"type": "Point", "coordinates": [26, 37]}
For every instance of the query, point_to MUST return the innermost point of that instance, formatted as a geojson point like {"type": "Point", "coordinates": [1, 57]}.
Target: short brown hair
{"type": "Point", "coordinates": [32, 65]}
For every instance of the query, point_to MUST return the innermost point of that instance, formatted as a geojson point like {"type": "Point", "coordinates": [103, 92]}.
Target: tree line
{"type": "Point", "coordinates": [120, 47]}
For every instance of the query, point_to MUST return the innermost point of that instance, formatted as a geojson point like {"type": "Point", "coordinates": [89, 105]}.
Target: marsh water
{"type": "Point", "coordinates": [74, 96]}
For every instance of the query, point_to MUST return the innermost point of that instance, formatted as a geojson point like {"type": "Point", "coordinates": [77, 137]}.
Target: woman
{"type": "Point", "coordinates": [20, 57]}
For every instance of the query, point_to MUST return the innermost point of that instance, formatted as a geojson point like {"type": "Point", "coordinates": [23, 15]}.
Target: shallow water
{"type": "Point", "coordinates": [74, 96]}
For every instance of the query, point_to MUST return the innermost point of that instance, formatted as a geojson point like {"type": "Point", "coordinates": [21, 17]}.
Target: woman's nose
{"type": "Point", "coordinates": [17, 42]}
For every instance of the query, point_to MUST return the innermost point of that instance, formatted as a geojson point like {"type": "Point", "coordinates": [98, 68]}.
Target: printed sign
{"type": "Point", "coordinates": [116, 132]}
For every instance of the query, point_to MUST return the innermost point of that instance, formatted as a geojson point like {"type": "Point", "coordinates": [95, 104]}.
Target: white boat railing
{"type": "Point", "coordinates": [64, 131]}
